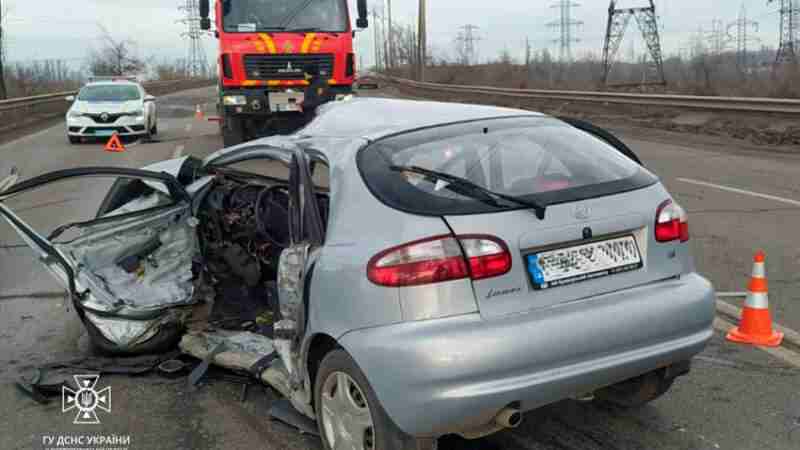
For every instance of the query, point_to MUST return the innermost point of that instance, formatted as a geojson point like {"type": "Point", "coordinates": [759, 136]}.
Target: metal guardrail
{"type": "Point", "coordinates": [735, 104]}
{"type": "Point", "coordinates": [25, 102]}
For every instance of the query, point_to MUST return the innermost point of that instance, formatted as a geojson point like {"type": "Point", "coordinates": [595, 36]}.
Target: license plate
{"type": "Point", "coordinates": [571, 265]}
{"type": "Point", "coordinates": [285, 101]}
{"type": "Point", "coordinates": [103, 132]}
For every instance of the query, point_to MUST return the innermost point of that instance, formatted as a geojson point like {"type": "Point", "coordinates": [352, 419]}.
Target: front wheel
{"type": "Point", "coordinates": [74, 139]}
{"type": "Point", "coordinates": [348, 412]}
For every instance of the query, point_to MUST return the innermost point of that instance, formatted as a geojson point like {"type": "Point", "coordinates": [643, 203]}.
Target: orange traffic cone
{"type": "Point", "coordinates": [756, 324]}
{"type": "Point", "coordinates": [199, 115]}
{"type": "Point", "coordinates": [114, 144]}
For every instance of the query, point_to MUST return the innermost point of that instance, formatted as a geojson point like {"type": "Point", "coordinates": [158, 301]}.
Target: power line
{"type": "Point", "coordinates": [789, 41]}
{"type": "Point", "coordinates": [565, 25]}
{"type": "Point", "coordinates": [197, 60]}
{"type": "Point", "coordinates": [647, 20]}
{"type": "Point", "coordinates": [716, 37]}
{"type": "Point", "coordinates": [466, 40]}
{"type": "Point", "coordinates": [742, 27]}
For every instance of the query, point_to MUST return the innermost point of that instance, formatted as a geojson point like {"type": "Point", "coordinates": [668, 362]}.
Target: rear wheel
{"type": "Point", "coordinates": [636, 392]}
{"type": "Point", "coordinates": [233, 131]}
{"type": "Point", "coordinates": [74, 139]}
{"type": "Point", "coordinates": [348, 412]}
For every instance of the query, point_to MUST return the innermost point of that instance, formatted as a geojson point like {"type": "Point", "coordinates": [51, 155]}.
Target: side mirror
{"type": "Point", "coordinates": [205, 11]}
{"type": "Point", "coordinates": [362, 21]}
{"type": "Point", "coordinates": [149, 98]}
{"type": "Point", "coordinates": [70, 98]}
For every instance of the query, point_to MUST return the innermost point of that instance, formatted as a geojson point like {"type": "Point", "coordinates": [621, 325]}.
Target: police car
{"type": "Point", "coordinates": [111, 104]}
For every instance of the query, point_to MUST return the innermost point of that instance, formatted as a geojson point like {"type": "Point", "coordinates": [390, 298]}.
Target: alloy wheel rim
{"type": "Point", "coordinates": [346, 417]}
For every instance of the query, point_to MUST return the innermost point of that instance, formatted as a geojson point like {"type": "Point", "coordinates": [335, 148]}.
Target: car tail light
{"type": "Point", "coordinates": [672, 223]}
{"type": "Point", "coordinates": [487, 256]}
{"type": "Point", "coordinates": [438, 259]}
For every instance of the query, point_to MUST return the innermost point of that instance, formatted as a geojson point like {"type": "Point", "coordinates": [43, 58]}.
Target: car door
{"type": "Point", "coordinates": [164, 200]}
{"type": "Point", "coordinates": [306, 235]}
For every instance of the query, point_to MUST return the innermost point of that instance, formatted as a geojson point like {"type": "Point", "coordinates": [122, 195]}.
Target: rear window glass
{"type": "Point", "coordinates": [539, 158]}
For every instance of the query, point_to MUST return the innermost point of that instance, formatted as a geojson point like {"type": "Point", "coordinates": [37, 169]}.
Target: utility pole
{"type": "Point", "coordinates": [742, 28]}
{"type": "Point", "coordinates": [422, 39]}
{"type": "Point", "coordinates": [197, 60]}
{"type": "Point", "coordinates": [377, 43]}
{"type": "Point", "coordinates": [391, 34]}
{"type": "Point", "coordinates": [647, 20]}
{"type": "Point", "coordinates": [565, 25]}
{"type": "Point", "coordinates": [789, 41]}
{"type": "Point", "coordinates": [3, 92]}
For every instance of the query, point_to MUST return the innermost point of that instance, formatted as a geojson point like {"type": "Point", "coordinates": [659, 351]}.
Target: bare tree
{"type": "Point", "coordinates": [116, 57]}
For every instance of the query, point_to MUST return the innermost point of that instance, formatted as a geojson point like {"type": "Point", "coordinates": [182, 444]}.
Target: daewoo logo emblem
{"type": "Point", "coordinates": [582, 212]}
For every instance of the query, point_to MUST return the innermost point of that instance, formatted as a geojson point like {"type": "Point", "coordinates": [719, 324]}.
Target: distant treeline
{"type": "Point", "coordinates": [703, 74]}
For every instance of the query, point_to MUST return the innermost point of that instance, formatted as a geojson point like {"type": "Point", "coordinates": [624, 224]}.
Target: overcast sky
{"type": "Point", "coordinates": [68, 29]}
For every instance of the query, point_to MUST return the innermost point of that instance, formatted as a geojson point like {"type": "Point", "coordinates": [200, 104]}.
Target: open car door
{"type": "Point", "coordinates": [125, 269]}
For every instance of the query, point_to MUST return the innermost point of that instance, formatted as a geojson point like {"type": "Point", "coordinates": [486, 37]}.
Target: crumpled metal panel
{"type": "Point", "coordinates": [128, 333]}
{"type": "Point", "coordinates": [166, 278]}
{"type": "Point", "coordinates": [291, 268]}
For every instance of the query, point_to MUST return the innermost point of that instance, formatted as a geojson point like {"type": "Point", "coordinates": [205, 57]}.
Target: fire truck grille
{"type": "Point", "coordinates": [286, 67]}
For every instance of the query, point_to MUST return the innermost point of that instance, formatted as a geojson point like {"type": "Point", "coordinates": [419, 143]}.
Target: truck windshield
{"type": "Point", "coordinates": [248, 16]}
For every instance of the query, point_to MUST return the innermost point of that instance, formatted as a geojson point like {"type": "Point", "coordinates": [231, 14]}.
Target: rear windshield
{"type": "Point", "coordinates": [539, 158]}
{"type": "Point", "coordinates": [109, 93]}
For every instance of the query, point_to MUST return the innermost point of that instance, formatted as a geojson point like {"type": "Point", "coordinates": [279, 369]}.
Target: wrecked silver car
{"type": "Point", "coordinates": [398, 270]}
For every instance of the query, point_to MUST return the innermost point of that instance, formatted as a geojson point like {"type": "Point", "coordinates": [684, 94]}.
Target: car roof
{"type": "Point", "coordinates": [373, 118]}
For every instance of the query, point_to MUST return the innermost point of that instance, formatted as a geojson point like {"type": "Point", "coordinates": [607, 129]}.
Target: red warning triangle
{"type": "Point", "coordinates": [114, 144]}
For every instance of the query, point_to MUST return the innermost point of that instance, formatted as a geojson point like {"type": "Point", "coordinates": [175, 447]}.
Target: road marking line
{"type": "Point", "coordinates": [740, 191]}
{"type": "Point", "coordinates": [178, 151]}
{"type": "Point", "coordinates": [779, 352]}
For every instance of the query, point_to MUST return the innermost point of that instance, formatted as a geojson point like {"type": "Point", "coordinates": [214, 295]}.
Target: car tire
{"type": "Point", "coordinates": [233, 131]}
{"type": "Point", "coordinates": [74, 140]}
{"type": "Point", "coordinates": [384, 435]}
{"type": "Point", "coordinates": [636, 392]}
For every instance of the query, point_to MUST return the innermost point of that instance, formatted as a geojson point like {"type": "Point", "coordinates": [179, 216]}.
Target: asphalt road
{"type": "Point", "coordinates": [735, 398]}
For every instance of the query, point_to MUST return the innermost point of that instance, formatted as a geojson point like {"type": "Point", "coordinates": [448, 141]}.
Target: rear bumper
{"type": "Point", "coordinates": [447, 375]}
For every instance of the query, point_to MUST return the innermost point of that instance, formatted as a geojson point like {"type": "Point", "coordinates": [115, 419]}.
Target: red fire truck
{"type": "Point", "coordinates": [272, 53]}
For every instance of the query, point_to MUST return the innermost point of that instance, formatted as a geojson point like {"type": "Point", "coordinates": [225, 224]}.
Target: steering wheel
{"type": "Point", "coordinates": [272, 215]}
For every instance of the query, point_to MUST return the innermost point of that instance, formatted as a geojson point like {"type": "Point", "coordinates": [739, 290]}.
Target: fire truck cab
{"type": "Point", "coordinates": [278, 60]}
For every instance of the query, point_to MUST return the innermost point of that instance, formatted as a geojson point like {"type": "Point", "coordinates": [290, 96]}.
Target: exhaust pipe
{"type": "Point", "coordinates": [509, 418]}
